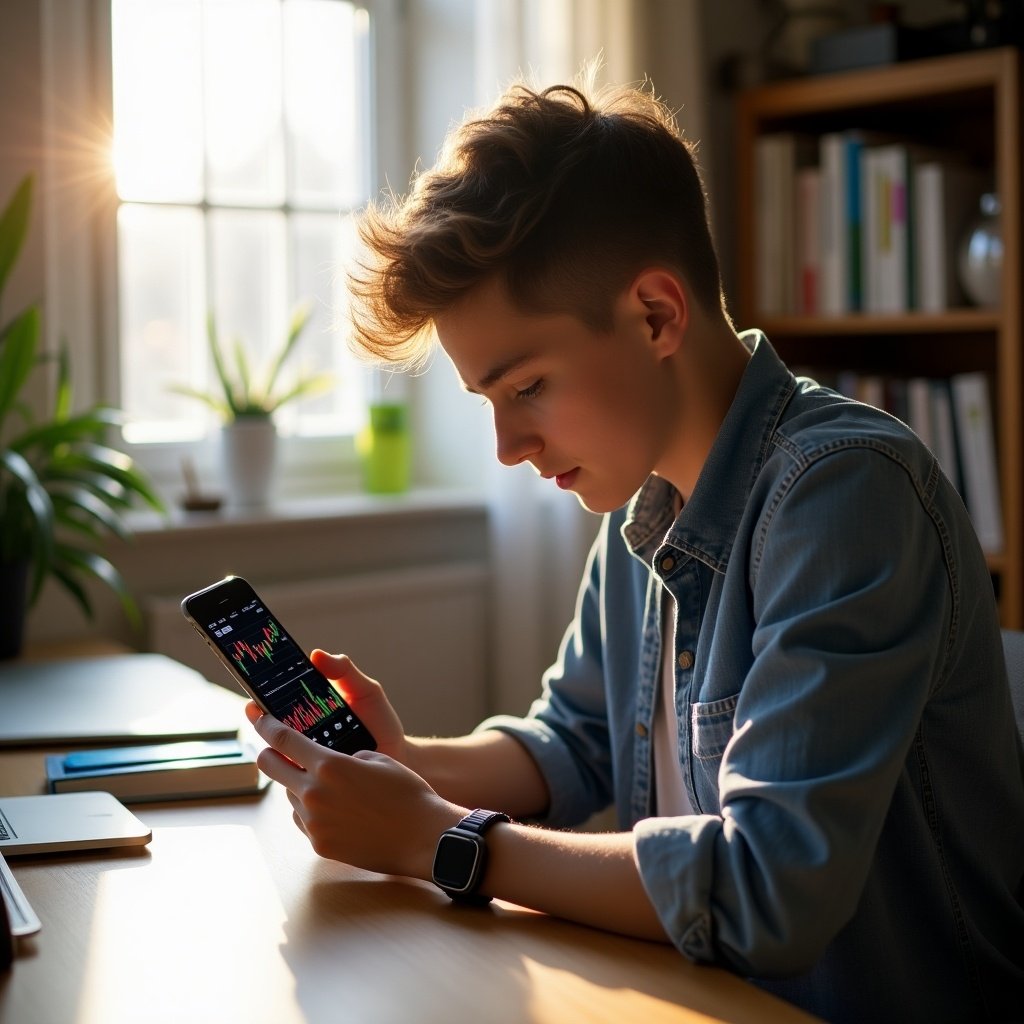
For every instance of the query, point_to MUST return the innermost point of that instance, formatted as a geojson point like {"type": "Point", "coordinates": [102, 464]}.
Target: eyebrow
{"type": "Point", "coordinates": [497, 372]}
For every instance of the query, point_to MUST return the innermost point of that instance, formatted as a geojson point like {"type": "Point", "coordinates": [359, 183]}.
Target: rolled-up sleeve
{"type": "Point", "coordinates": [567, 728]}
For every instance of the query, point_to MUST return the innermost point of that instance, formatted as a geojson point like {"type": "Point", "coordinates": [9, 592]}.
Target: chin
{"type": "Point", "coordinates": [600, 505]}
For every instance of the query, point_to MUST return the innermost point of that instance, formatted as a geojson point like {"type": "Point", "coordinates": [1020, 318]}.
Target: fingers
{"type": "Point", "coordinates": [298, 749]}
{"type": "Point", "coordinates": [340, 668]}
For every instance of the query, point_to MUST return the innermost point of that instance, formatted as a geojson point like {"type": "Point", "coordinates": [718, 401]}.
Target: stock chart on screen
{"type": "Point", "coordinates": [276, 668]}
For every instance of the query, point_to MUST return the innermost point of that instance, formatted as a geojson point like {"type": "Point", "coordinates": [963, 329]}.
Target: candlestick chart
{"type": "Point", "coordinates": [311, 709]}
{"type": "Point", "coordinates": [261, 644]}
{"type": "Point", "coordinates": [276, 670]}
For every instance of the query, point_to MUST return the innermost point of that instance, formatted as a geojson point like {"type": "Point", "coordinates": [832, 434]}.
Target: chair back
{"type": "Point", "coordinates": [1013, 648]}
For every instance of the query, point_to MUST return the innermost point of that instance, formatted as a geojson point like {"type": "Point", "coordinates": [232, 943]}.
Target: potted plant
{"type": "Point", "coordinates": [246, 403]}
{"type": "Point", "coordinates": [63, 490]}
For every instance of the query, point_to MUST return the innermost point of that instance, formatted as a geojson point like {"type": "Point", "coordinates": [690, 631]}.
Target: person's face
{"type": "Point", "coordinates": [587, 410]}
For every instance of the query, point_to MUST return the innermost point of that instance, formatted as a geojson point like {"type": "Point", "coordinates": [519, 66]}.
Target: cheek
{"type": "Point", "coordinates": [621, 408]}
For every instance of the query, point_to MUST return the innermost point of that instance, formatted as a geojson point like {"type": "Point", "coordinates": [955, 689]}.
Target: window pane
{"type": "Point", "coordinates": [244, 127]}
{"type": "Point", "coordinates": [244, 140]}
{"type": "Point", "coordinates": [321, 243]}
{"type": "Point", "coordinates": [250, 299]}
{"type": "Point", "coordinates": [158, 117]}
{"type": "Point", "coordinates": [161, 310]}
{"type": "Point", "coordinates": [325, 61]}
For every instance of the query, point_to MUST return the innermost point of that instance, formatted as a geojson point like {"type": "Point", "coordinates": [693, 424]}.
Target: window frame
{"type": "Point", "coordinates": [80, 206]}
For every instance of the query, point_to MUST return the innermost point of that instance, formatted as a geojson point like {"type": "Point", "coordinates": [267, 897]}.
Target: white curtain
{"type": "Point", "coordinates": [540, 535]}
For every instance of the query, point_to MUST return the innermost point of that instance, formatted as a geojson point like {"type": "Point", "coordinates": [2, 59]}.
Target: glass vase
{"type": "Point", "coordinates": [980, 257]}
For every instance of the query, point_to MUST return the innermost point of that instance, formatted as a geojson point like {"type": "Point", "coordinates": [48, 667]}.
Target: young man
{"type": "Point", "coordinates": [785, 668]}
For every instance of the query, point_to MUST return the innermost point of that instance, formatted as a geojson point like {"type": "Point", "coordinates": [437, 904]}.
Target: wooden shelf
{"type": "Point", "coordinates": [954, 321]}
{"type": "Point", "coordinates": [968, 105]}
{"type": "Point", "coordinates": [966, 79]}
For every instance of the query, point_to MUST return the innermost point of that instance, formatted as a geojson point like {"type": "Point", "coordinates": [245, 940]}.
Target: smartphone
{"type": "Point", "coordinates": [265, 661]}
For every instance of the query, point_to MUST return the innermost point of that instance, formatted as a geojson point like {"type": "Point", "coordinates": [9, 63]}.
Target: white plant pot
{"type": "Point", "coordinates": [248, 456]}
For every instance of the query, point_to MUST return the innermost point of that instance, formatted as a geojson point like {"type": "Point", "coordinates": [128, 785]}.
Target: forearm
{"type": "Point", "coordinates": [591, 878]}
{"type": "Point", "coordinates": [487, 769]}
{"type": "Point", "coordinates": [588, 877]}
{"type": "Point", "coordinates": [387, 813]}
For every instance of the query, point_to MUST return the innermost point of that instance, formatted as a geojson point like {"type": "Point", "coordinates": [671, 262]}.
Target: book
{"type": "Point", "coordinates": [841, 217]}
{"type": "Point", "coordinates": [897, 399]}
{"type": "Point", "coordinates": [775, 220]}
{"type": "Point", "coordinates": [162, 771]}
{"type": "Point", "coordinates": [808, 239]}
{"type": "Point", "coordinates": [779, 157]}
{"type": "Point", "coordinates": [944, 432]}
{"type": "Point", "coordinates": [871, 390]}
{"type": "Point", "coordinates": [972, 413]}
{"type": "Point", "coordinates": [886, 254]}
{"type": "Point", "coordinates": [919, 410]}
{"type": "Point", "coordinates": [945, 197]}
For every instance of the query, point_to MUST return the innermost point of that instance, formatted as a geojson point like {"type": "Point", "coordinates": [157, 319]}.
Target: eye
{"type": "Point", "coordinates": [532, 391]}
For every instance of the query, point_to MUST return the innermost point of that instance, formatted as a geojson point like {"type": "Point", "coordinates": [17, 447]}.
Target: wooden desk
{"type": "Point", "coordinates": [228, 916]}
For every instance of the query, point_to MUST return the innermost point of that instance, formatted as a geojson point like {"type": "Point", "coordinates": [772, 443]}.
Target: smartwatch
{"type": "Point", "coordinates": [461, 857]}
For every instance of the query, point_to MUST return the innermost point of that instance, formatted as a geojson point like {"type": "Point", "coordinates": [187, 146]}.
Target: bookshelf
{"type": "Point", "coordinates": [966, 106]}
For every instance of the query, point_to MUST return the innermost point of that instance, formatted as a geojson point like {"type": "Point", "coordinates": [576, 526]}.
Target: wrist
{"type": "Point", "coordinates": [461, 857]}
{"type": "Point", "coordinates": [443, 816]}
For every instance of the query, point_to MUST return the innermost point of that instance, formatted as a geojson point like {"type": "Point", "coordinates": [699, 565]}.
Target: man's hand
{"type": "Point", "coordinates": [365, 809]}
{"type": "Point", "coordinates": [366, 697]}
{"type": "Point", "coordinates": [377, 810]}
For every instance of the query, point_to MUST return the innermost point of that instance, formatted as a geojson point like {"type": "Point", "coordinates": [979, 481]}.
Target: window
{"type": "Point", "coordinates": [243, 143]}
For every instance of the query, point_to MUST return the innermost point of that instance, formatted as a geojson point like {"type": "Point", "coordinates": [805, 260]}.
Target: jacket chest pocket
{"type": "Point", "coordinates": [711, 728]}
{"type": "Point", "coordinates": [711, 725]}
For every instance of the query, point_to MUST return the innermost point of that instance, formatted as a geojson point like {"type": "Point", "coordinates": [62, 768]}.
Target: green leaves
{"type": "Point", "coordinates": [63, 489]}
{"type": "Point", "coordinates": [18, 343]}
{"type": "Point", "coordinates": [241, 392]}
{"type": "Point", "coordinates": [13, 228]}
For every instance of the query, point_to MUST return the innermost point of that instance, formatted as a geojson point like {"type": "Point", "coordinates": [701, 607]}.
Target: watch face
{"type": "Point", "coordinates": [456, 862]}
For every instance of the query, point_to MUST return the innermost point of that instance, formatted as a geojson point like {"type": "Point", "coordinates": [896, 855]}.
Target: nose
{"type": "Point", "coordinates": [515, 441]}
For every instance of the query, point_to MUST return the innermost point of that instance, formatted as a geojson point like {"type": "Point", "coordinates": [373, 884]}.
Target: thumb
{"type": "Point", "coordinates": [340, 668]}
{"type": "Point", "coordinates": [366, 697]}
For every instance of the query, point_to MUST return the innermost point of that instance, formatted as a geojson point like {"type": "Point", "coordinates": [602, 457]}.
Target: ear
{"type": "Point", "coordinates": [662, 296]}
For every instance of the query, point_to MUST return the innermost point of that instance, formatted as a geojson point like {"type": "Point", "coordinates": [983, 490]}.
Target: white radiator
{"type": "Point", "coordinates": [421, 632]}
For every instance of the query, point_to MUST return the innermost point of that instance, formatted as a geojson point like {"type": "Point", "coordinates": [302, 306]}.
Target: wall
{"type": "Point", "coordinates": [21, 142]}
{"type": "Point", "coordinates": [401, 585]}
{"type": "Point", "coordinates": [453, 427]}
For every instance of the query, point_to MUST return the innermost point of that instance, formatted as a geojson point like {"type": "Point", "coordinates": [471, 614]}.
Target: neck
{"type": "Point", "coordinates": [705, 375]}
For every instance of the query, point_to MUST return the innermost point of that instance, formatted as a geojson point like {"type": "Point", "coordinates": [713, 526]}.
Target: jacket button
{"type": "Point", "coordinates": [667, 562]}
{"type": "Point", "coordinates": [641, 729]}
{"type": "Point", "coordinates": [685, 659]}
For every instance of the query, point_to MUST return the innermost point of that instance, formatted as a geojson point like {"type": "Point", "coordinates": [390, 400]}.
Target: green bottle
{"type": "Point", "coordinates": [385, 449]}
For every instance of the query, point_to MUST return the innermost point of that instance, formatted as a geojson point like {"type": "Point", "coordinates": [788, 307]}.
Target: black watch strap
{"type": "Point", "coordinates": [480, 821]}
{"type": "Point", "coordinates": [470, 830]}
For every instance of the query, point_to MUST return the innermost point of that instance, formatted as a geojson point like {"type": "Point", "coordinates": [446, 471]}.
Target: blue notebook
{"type": "Point", "coordinates": [162, 771]}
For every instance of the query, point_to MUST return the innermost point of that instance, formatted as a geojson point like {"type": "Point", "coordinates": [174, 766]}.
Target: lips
{"type": "Point", "coordinates": [566, 480]}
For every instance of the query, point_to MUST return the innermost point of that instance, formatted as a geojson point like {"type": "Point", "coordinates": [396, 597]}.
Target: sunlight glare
{"type": "Point", "coordinates": [243, 102]}
{"type": "Point", "coordinates": [157, 81]}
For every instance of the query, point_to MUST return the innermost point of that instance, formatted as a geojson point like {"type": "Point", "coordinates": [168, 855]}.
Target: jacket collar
{"type": "Point", "coordinates": [708, 522]}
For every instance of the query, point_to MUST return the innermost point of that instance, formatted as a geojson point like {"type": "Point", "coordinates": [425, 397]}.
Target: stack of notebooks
{"type": "Point", "coordinates": [164, 771]}
{"type": "Point", "coordinates": [146, 727]}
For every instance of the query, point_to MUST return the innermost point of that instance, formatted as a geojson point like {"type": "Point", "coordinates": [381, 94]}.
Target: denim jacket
{"type": "Point", "coordinates": [845, 728]}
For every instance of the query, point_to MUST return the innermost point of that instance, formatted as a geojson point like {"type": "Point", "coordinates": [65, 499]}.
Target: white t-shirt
{"type": "Point", "coordinates": [669, 793]}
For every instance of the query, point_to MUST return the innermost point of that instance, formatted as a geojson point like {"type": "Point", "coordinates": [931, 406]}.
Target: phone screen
{"type": "Point", "coordinates": [268, 662]}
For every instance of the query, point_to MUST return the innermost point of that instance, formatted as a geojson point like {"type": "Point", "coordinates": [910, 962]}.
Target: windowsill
{"type": "Point", "coordinates": [414, 504]}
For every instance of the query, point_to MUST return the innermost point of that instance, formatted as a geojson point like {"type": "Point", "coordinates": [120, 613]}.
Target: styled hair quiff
{"type": "Point", "coordinates": [564, 197]}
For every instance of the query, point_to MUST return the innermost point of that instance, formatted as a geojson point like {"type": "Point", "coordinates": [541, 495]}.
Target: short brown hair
{"type": "Point", "coordinates": [565, 197]}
